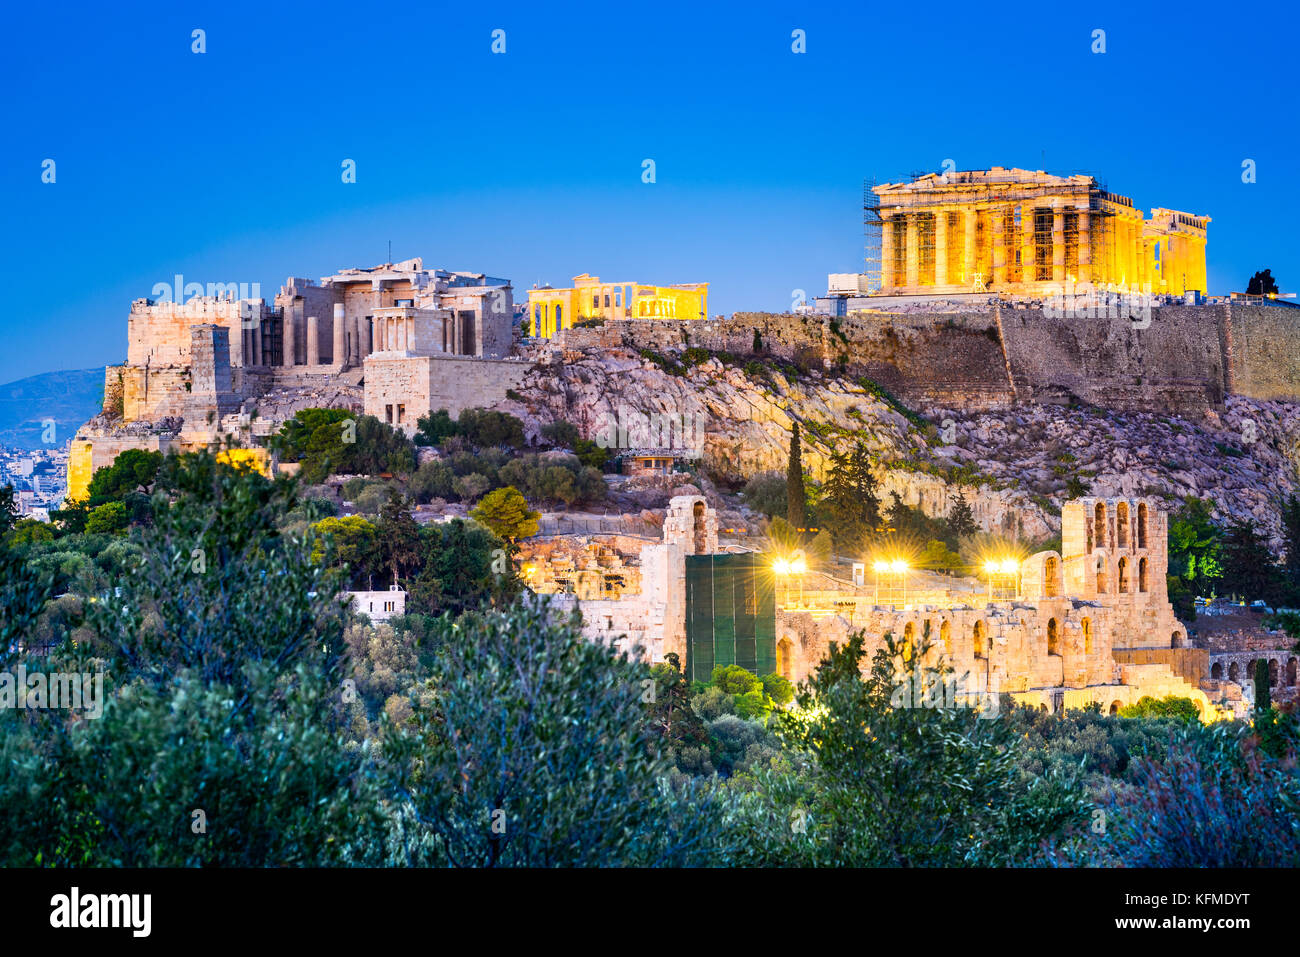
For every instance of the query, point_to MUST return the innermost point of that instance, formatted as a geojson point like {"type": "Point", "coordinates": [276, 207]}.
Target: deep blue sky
{"type": "Point", "coordinates": [225, 166]}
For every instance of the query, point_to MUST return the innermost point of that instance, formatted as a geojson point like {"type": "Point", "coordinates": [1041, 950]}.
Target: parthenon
{"type": "Point", "coordinates": [1030, 233]}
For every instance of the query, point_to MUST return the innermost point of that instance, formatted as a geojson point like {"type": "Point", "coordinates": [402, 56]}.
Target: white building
{"type": "Point", "coordinates": [380, 605]}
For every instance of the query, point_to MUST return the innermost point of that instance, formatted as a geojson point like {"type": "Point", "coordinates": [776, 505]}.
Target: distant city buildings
{"type": "Point", "coordinates": [38, 476]}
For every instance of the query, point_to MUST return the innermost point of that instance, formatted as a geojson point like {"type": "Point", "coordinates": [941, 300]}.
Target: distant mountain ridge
{"type": "Point", "coordinates": [70, 398]}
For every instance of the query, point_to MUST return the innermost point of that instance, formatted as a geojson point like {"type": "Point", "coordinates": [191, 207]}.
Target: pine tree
{"type": "Point", "coordinates": [850, 498]}
{"type": "Point", "coordinates": [399, 535]}
{"type": "Point", "coordinates": [794, 488]}
{"type": "Point", "coordinates": [1291, 534]}
{"type": "Point", "coordinates": [1263, 700]}
{"type": "Point", "coordinates": [961, 519]}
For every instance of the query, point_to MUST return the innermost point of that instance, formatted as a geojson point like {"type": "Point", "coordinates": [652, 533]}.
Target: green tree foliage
{"type": "Point", "coordinates": [897, 786]}
{"type": "Point", "coordinates": [1194, 542]}
{"type": "Point", "coordinates": [28, 530]}
{"type": "Point", "coordinates": [961, 519]}
{"type": "Point", "coordinates": [8, 510]}
{"type": "Point", "coordinates": [431, 429]}
{"type": "Point", "coordinates": [486, 428]}
{"type": "Point", "coordinates": [433, 479]}
{"type": "Point", "coordinates": [795, 492]}
{"type": "Point", "coordinates": [765, 493]}
{"type": "Point", "coordinates": [461, 570]}
{"type": "Point", "coordinates": [223, 683]}
{"type": "Point", "coordinates": [132, 469]}
{"type": "Point", "coordinates": [559, 479]}
{"type": "Point", "coordinates": [109, 517]}
{"type": "Point", "coordinates": [850, 504]}
{"type": "Point", "coordinates": [351, 542]}
{"type": "Point", "coordinates": [1263, 699]}
{"type": "Point", "coordinates": [537, 752]}
{"type": "Point", "coordinates": [1184, 709]}
{"type": "Point", "coordinates": [757, 345]}
{"type": "Point", "coordinates": [337, 442]}
{"type": "Point", "coordinates": [399, 538]}
{"type": "Point", "coordinates": [507, 514]}
{"type": "Point", "coordinates": [1262, 284]}
{"type": "Point", "coordinates": [561, 434]}
{"type": "Point", "coordinates": [1250, 569]}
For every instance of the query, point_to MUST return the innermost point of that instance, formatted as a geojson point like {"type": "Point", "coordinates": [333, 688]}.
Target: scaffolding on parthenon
{"type": "Point", "coordinates": [872, 227]}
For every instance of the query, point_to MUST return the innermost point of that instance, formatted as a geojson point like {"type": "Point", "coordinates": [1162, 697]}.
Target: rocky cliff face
{"type": "Point", "coordinates": [1017, 466]}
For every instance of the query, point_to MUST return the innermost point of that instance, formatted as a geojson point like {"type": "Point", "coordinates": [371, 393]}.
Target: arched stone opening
{"type": "Point", "coordinates": [1142, 574]}
{"type": "Point", "coordinates": [1291, 673]}
{"type": "Point", "coordinates": [979, 639]}
{"type": "Point", "coordinates": [784, 656]}
{"type": "Point", "coordinates": [1053, 637]}
{"type": "Point", "coordinates": [1176, 640]}
{"type": "Point", "coordinates": [1272, 672]}
{"type": "Point", "coordinates": [1121, 525]}
{"type": "Point", "coordinates": [909, 641]}
{"type": "Point", "coordinates": [1216, 671]}
{"type": "Point", "coordinates": [1101, 576]}
{"type": "Point", "coordinates": [1099, 524]}
{"type": "Point", "coordinates": [698, 527]}
{"type": "Point", "coordinates": [1142, 524]}
{"type": "Point", "coordinates": [1115, 706]}
{"type": "Point", "coordinates": [1123, 576]}
{"type": "Point", "coordinates": [1051, 570]}
{"type": "Point", "coordinates": [1234, 672]}
{"type": "Point", "coordinates": [945, 636]}
{"type": "Point", "coordinates": [1086, 627]}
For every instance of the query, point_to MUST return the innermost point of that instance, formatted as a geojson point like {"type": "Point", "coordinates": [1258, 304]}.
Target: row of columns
{"type": "Point", "coordinates": [1125, 255]}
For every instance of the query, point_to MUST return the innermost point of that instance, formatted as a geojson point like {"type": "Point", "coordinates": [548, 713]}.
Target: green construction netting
{"type": "Point", "coordinates": [730, 614]}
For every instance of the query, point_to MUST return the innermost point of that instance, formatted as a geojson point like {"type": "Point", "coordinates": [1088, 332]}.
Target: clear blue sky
{"type": "Point", "coordinates": [225, 166]}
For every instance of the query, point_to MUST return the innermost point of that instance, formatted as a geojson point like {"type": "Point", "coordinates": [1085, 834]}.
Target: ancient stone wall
{"type": "Point", "coordinates": [1177, 359]}
{"type": "Point", "coordinates": [1265, 350]}
{"type": "Point", "coordinates": [424, 384]}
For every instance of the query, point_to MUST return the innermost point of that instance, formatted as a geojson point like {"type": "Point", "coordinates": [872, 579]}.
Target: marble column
{"type": "Point", "coordinates": [313, 340]}
{"type": "Point", "coordinates": [287, 337]}
{"type": "Point", "coordinates": [1085, 247]}
{"type": "Point", "coordinates": [1058, 245]}
{"type": "Point", "coordinates": [968, 258]}
{"type": "Point", "coordinates": [339, 355]}
{"type": "Point", "coordinates": [941, 247]}
{"type": "Point", "coordinates": [887, 240]}
{"type": "Point", "coordinates": [999, 247]}
{"type": "Point", "coordinates": [913, 253]}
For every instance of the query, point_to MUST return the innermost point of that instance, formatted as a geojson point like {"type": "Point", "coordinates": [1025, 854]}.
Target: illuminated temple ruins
{"type": "Point", "coordinates": [1016, 232]}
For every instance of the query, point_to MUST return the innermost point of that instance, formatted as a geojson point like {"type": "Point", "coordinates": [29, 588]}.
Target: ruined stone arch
{"type": "Point", "coordinates": [1216, 671]}
{"type": "Point", "coordinates": [1053, 637]}
{"type": "Point", "coordinates": [1122, 576]}
{"type": "Point", "coordinates": [1142, 574]}
{"type": "Point", "coordinates": [1234, 672]}
{"type": "Point", "coordinates": [1142, 524]}
{"type": "Point", "coordinates": [700, 530]}
{"type": "Point", "coordinates": [784, 657]}
{"type": "Point", "coordinates": [1086, 627]}
{"type": "Point", "coordinates": [1051, 575]}
{"type": "Point", "coordinates": [1121, 525]}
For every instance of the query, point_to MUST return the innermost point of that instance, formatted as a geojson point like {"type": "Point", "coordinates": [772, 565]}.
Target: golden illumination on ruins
{"type": "Point", "coordinates": [552, 310]}
{"type": "Point", "coordinates": [1030, 233]}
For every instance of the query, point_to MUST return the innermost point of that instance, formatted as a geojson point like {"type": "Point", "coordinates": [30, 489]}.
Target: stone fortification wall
{"type": "Point", "coordinates": [1178, 359]}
